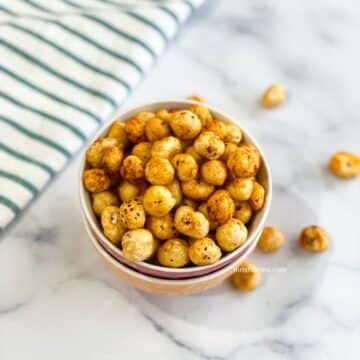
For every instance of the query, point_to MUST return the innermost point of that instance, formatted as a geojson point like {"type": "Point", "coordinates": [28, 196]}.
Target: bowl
{"type": "Point", "coordinates": [254, 229]}
{"type": "Point", "coordinates": [154, 285]}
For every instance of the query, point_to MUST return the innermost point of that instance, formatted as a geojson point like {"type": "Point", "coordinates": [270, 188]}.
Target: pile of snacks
{"type": "Point", "coordinates": [177, 184]}
{"type": "Point", "coordinates": [345, 164]}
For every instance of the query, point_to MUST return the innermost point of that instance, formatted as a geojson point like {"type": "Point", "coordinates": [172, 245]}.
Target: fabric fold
{"type": "Point", "coordinates": [66, 66]}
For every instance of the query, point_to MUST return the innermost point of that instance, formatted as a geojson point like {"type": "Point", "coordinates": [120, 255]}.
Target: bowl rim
{"type": "Point", "coordinates": [122, 116]}
{"type": "Point", "coordinates": [155, 280]}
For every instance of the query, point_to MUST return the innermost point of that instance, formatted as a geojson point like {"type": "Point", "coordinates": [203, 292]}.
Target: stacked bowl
{"type": "Point", "coordinates": [163, 280]}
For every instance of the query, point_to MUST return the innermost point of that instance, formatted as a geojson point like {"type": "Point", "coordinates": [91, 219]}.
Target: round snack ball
{"type": "Point", "coordinates": [245, 161]}
{"type": "Point", "coordinates": [345, 164]}
{"type": "Point", "coordinates": [191, 223]}
{"type": "Point", "coordinates": [163, 114]}
{"type": "Point", "coordinates": [243, 211]}
{"type": "Point", "coordinates": [214, 172]}
{"type": "Point", "coordinates": [314, 239]}
{"type": "Point", "coordinates": [112, 159]}
{"type": "Point", "coordinates": [185, 124]}
{"type": "Point", "coordinates": [163, 227]}
{"type": "Point", "coordinates": [132, 169]}
{"type": "Point", "coordinates": [173, 253]}
{"type": "Point", "coordinates": [203, 208]}
{"type": "Point", "coordinates": [156, 129]}
{"type": "Point", "coordinates": [197, 98]}
{"type": "Point", "coordinates": [271, 239]}
{"type": "Point", "coordinates": [142, 151]}
{"type": "Point", "coordinates": [166, 147]}
{"type": "Point", "coordinates": [158, 200]}
{"type": "Point", "coordinates": [186, 167]}
{"type": "Point", "coordinates": [241, 189]}
{"type": "Point", "coordinates": [191, 151]}
{"type": "Point", "coordinates": [111, 224]}
{"type": "Point", "coordinates": [257, 197]}
{"type": "Point", "coordinates": [128, 191]}
{"type": "Point", "coordinates": [96, 180]}
{"type": "Point", "coordinates": [138, 245]}
{"type": "Point", "coordinates": [220, 207]}
{"type": "Point", "coordinates": [175, 189]}
{"type": "Point", "coordinates": [159, 171]}
{"type": "Point", "coordinates": [202, 112]}
{"type": "Point", "coordinates": [95, 152]}
{"type": "Point", "coordinates": [204, 252]}
{"type": "Point", "coordinates": [209, 145]}
{"type": "Point", "coordinates": [197, 190]}
{"type": "Point", "coordinates": [135, 129]}
{"type": "Point", "coordinates": [229, 148]}
{"type": "Point", "coordinates": [231, 235]}
{"type": "Point", "coordinates": [132, 214]}
{"type": "Point", "coordinates": [218, 127]}
{"type": "Point", "coordinates": [233, 134]}
{"type": "Point", "coordinates": [117, 131]}
{"type": "Point", "coordinates": [273, 96]}
{"type": "Point", "coordinates": [247, 277]}
{"type": "Point", "coordinates": [102, 200]}
{"type": "Point", "coordinates": [145, 115]}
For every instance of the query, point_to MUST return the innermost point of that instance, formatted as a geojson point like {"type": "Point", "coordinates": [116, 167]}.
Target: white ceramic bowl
{"type": "Point", "coordinates": [254, 228]}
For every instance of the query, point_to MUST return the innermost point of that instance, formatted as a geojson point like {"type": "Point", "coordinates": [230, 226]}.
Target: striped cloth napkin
{"type": "Point", "coordinates": [65, 67]}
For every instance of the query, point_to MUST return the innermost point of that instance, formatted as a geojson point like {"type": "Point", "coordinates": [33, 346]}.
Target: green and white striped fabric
{"type": "Point", "coordinates": [65, 67]}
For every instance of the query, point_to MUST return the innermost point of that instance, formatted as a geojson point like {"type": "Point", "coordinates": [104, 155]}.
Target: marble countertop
{"type": "Point", "coordinates": [59, 301]}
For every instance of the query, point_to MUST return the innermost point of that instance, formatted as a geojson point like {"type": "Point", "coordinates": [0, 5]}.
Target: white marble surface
{"type": "Point", "coordinates": [58, 300]}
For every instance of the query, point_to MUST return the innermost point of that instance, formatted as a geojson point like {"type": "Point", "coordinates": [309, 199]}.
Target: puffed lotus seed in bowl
{"type": "Point", "coordinates": [175, 189]}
